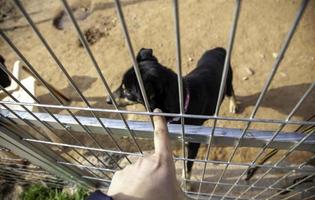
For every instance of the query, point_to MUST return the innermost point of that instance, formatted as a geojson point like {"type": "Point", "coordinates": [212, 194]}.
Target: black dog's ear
{"type": "Point", "coordinates": [145, 55]}
{"type": "Point", "coordinates": [2, 60]}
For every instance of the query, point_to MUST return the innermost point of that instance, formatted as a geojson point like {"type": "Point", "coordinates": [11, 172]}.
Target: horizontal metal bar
{"type": "Point", "coordinates": [23, 170]}
{"type": "Point", "coordinates": [230, 184]}
{"type": "Point", "coordinates": [291, 186]}
{"type": "Point", "coordinates": [61, 107]}
{"type": "Point", "coordinates": [302, 171]}
{"type": "Point", "coordinates": [82, 147]}
{"type": "Point", "coordinates": [305, 169]}
{"type": "Point", "coordinates": [23, 149]}
{"type": "Point", "coordinates": [312, 196]}
{"type": "Point", "coordinates": [12, 159]}
{"type": "Point", "coordinates": [28, 181]}
{"type": "Point", "coordinates": [89, 167]}
{"type": "Point", "coordinates": [222, 137]}
{"type": "Point", "coordinates": [201, 195]}
{"type": "Point", "coordinates": [97, 179]}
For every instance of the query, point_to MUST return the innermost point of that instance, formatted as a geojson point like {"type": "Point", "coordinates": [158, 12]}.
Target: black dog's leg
{"type": "Point", "coordinates": [192, 149]}
{"type": "Point", "coordinates": [230, 93]}
{"type": "Point", "coordinates": [192, 153]}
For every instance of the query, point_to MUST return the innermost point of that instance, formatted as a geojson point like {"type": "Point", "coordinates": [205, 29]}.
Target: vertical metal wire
{"type": "Point", "coordinates": [291, 186]}
{"type": "Point", "coordinates": [133, 58]}
{"type": "Point", "coordinates": [36, 130]}
{"type": "Point", "coordinates": [180, 81]}
{"type": "Point", "coordinates": [44, 124]}
{"type": "Point", "coordinates": [292, 148]}
{"type": "Point", "coordinates": [306, 190]}
{"type": "Point", "coordinates": [33, 71]}
{"type": "Point", "coordinates": [180, 89]}
{"type": "Point", "coordinates": [275, 134]}
{"type": "Point", "coordinates": [297, 106]}
{"type": "Point", "coordinates": [285, 176]}
{"type": "Point", "coordinates": [46, 110]}
{"type": "Point", "coordinates": [222, 85]}
{"type": "Point", "coordinates": [98, 70]}
{"type": "Point", "coordinates": [273, 71]}
{"type": "Point", "coordinates": [42, 39]}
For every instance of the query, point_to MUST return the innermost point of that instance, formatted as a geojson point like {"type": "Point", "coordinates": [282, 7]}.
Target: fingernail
{"type": "Point", "coordinates": [157, 110]}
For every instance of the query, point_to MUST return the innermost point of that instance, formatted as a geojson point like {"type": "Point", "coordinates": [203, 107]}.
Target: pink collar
{"type": "Point", "coordinates": [187, 100]}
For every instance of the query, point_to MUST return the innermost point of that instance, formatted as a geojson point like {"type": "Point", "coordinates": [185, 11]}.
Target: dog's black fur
{"type": "Point", "coordinates": [161, 87]}
{"type": "Point", "coordinates": [4, 78]}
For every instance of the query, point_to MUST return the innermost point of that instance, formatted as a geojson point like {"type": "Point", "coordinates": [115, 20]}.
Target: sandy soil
{"type": "Point", "coordinates": [204, 25]}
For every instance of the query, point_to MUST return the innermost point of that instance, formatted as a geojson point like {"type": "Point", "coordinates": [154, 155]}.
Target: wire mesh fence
{"type": "Point", "coordinates": [88, 149]}
{"type": "Point", "coordinates": [18, 170]}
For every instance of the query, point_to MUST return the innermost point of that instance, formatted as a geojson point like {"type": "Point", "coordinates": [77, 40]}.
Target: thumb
{"type": "Point", "coordinates": [161, 138]}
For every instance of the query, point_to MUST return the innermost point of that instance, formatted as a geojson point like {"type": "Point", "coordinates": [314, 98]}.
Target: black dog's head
{"type": "Point", "coordinates": [156, 78]}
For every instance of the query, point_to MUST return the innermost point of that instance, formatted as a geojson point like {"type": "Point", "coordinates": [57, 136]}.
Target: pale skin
{"type": "Point", "coordinates": [151, 177]}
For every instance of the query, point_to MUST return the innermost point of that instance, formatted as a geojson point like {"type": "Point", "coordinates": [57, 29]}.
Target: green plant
{"type": "Point", "coordinates": [40, 192]}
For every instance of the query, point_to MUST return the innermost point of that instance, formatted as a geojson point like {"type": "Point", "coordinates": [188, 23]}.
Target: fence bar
{"type": "Point", "coordinates": [89, 167]}
{"type": "Point", "coordinates": [254, 120]}
{"type": "Point", "coordinates": [230, 184]}
{"type": "Point", "coordinates": [82, 147]}
{"type": "Point", "coordinates": [275, 67]}
{"type": "Point", "coordinates": [216, 162]}
{"type": "Point", "coordinates": [292, 148]}
{"type": "Point", "coordinates": [180, 81]}
{"type": "Point", "coordinates": [132, 55]}
{"type": "Point", "coordinates": [222, 136]}
{"type": "Point", "coordinates": [285, 176]}
{"type": "Point", "coordinates": [222, 84]}
{"type": "Point", "coordinates": [207, 195]}
{"type": "Point", "coordinates": [33, 71]}
{"type": "Point", "coordinates": [300, 166]}
{"type": "Point", "coordinates": [97, 179]}
{"type": "Point", "coordinates": [45, 84]}
{"type": "Point", "coordinates": [23, 149]}
{"type": "Point", "coordinates": [36, 130]}
{"type": "Point", "coordinates": [97, 68]}
{"type": "Point", "coordinates": [306, 190]}
{"type": "Point", "coordinates": [292, 186]}
{"type": "Point", "coordinates": [276, 133]}
{"type": "Point", "coordinates": [35, 99]}
{"type": "Point", "coordinates": [17, 174]}
{"type": "Point", "coordinates": [14, 180]}
{"type": "Point", "coordinates": [42, 39]}
{"type": "Point", "coordinates": [31, 126]}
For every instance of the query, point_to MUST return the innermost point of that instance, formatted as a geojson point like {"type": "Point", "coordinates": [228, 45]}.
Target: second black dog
{"type": "Point", "coordinates": [4, 78]}
{"type": "Point", "coordinates": [201, 89]}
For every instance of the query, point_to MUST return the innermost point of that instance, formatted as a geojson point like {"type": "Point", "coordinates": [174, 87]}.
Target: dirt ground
{"type": "Point", "coordinates": [204, 25]}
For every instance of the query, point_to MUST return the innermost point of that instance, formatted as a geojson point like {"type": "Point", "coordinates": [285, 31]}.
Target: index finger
{"type": "Point", "coordinates": [161, 138]}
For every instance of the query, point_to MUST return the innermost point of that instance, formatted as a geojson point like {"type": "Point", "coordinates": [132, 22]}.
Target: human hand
{"type": "Point", "coordinates": [151, 177]}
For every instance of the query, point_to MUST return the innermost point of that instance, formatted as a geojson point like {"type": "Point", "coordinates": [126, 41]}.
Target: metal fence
{"type": "Point", "coordinates": [16, 170]}
{"type": "Point", "coordinates": [54, 141]}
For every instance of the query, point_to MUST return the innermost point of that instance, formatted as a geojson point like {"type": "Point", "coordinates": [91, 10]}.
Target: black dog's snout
{"type": "Point", "coordinates": [109, 100]}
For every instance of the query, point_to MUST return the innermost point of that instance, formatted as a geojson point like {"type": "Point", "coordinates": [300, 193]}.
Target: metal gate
{"type": "Point", "coordinates": [57, 142]}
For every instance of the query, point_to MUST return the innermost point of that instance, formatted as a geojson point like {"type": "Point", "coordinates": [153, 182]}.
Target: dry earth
{"type": "Point", "coordinates": [204, 25]}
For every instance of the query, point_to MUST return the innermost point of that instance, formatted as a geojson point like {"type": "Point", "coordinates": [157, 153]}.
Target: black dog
{"type": "Point", "coordinates": [201, 88]}
{"type": "Point", "coordinates": [4, 78]}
